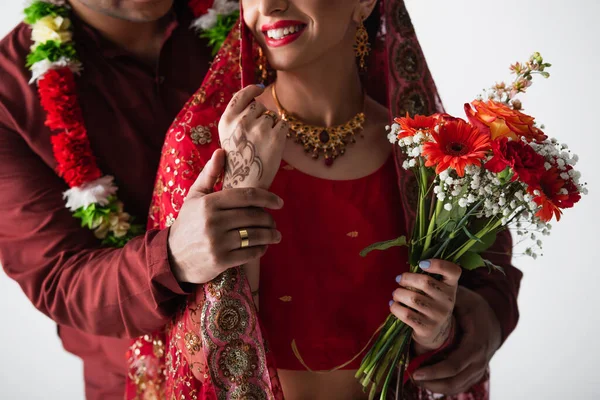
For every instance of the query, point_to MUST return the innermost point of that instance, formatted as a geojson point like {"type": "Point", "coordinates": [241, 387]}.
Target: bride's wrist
{"type": "Point", "coordinates": [443, 340]}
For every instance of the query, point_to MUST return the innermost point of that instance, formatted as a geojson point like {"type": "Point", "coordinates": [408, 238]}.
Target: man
{"type": "Point", "coordinates": [141, 63]}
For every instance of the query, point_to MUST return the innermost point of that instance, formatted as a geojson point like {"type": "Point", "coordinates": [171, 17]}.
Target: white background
{"type": "Point", "coordinates": [469, 44]}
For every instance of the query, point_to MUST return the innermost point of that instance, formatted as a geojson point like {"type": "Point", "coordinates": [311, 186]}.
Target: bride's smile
{"type": "Point", "coordinates": [281, 33]}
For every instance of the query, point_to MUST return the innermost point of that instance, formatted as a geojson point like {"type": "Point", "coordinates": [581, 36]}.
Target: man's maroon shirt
{"type": "Point", "coordinates": [98, 297]}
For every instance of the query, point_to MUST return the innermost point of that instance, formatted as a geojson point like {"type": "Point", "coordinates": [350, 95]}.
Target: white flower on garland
{"type": "Point", "coordinates": [116, 222]}
{"type": "Point", "coordinates": [51, 28]}
{"type": "Point", "coordinates": [220, 7]}
{"type": "Point", "coordinates": [98, 191]}
{"type": "Point", "coordinates": [40, 68]}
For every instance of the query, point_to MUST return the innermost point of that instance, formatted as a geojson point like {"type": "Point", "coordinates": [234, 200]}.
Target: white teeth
{"type": "Point", "coordinates": [281, 33]}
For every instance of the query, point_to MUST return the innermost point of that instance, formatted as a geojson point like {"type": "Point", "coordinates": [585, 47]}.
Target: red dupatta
{"type": "Point", "coordinates": [214, 348]}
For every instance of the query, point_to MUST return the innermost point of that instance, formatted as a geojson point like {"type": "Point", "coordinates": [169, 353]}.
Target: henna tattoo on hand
{"type": "Point", "coordinates": [242, 159]}
{"type": "Point", "coordinates": [444, 331]}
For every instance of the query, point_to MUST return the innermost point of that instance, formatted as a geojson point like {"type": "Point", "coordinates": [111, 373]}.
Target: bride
{"type": "Point", "coordinates": [316, 137]}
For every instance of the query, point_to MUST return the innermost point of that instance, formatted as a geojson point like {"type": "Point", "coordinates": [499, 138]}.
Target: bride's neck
{"type": "Point", "coordinates": [324, 93]}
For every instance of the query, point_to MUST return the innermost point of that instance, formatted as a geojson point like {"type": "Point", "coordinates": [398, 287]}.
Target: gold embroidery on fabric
{"type": "Point", "coordinates": [147, 374]}
{"type": "Point", "coordinates": [193, 344]}
{"type": "Point", "coordinates": [223, 283]}
{"type": "Point", "coordinates": [238, 362]}
{"type": "Point", "coordinates": [170, 220]}
{"type": "Point", "coordinates": [158, 348]}
{"type": "Point", "coordinates": [200, 135]}
{"type": "Point", "coordinates": [352, 234]}
{"type": "Point", "coordinates": [228, 319]}
{"type": "Point", "coordinates": [176, 203]}
{"type": "Point", "coordinates": [288, 167]}
{"type": "Point", "coordinates": [286, 299]}
{"type": "Point", "coordinates": [198, 98]}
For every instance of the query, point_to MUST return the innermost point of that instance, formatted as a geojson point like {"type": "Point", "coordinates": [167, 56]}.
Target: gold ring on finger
{"type": "Point", "coordinates": [245, 242]}
{"type": "Point", "coordinates": [271, 115]}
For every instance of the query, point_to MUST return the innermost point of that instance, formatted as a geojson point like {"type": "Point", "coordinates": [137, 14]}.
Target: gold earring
{"type": "Point", "coordinates": [362, 47]}
{"type": "Point", "coordinates": [263, 70]}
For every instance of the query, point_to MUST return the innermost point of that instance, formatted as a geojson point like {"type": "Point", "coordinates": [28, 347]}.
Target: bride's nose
{"type": "Point", "coordinates": [271, 7]}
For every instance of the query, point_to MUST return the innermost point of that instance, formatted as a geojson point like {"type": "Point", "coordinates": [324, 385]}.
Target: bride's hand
{"type": "Point", "coordinates": [253, 140]}
{"type": "Point", "coordinates": [426, 304]}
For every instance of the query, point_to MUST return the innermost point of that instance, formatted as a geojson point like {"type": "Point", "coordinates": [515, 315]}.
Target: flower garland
{"type": "Point", "coordinates": [53, 62]}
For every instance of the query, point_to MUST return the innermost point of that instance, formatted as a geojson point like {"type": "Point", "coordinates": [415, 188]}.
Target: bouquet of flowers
{"type": "Point", "coordinates": [476, 178]}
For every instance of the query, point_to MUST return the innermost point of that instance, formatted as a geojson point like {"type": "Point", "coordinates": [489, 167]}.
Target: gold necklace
{"type": "Point", "coordinates": [329, 141]}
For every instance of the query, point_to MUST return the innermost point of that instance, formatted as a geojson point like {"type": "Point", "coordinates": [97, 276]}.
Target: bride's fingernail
{"type": "Point", "coordinates": [398, 278]}
{"type": "Point", "coordinates": [260, 85]}
{"type": "Point", "coordinates": [391, 302]}
{"type": "Point", "coordinates": [419, 376]}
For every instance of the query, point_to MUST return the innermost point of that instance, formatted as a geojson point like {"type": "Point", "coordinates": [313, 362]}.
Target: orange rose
{"type": "Point", "coordinates": [503, 121]}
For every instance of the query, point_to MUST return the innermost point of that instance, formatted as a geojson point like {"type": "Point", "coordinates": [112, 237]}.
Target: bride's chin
{"type": "Point", "coordinates": [288, 62]}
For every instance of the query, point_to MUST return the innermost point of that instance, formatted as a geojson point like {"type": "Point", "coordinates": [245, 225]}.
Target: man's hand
{"type": "Point", "coordinates": [204, 241]}
{"type": "Point", "coordinates": [467, 364]}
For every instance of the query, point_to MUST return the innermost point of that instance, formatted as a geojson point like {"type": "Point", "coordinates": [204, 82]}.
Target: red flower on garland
{"type": "Point", "coordinates": [76, 164]}
{"type": "Point", "coordinates": [200, 7]}
{"type": "Point", "coordinates": [555, 193]}
{"type": "Point", "coordinates": [71, 147]}
{"type": "Point", "coordinates": [410, 126]}
{"type": "Point", "coordinates": [457, 145]}
{"type": "Point", "coordinates": [528, 166]}
{"type": "Point", "coordinates": [59, 98]}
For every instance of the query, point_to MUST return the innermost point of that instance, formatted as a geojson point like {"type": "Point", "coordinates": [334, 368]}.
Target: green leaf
{"type": "Point", "coordinates": [39, 9]}
{"type": "Point", "coordinates": [398, 242]}
{"type": "Point", "coordinates": [52, 51]}
{"type": "Point", "coordinates": [491, 266]}
{"type": "Point", "coordinates": [454, 216]}
{"type": "Point", "coordinates": [470, 235]}
{"type": "Point", "coordinates": [506, 175]}
{"type": "Point", "coordinates": [484, 243]}
{"type": "Point", "coordinates": [471, 261]}
{"type": "Point", "coordinates": [218, 33]}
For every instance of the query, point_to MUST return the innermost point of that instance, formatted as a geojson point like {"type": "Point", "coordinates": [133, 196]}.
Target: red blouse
{"type": "Point", "coordinates": [315, 287]}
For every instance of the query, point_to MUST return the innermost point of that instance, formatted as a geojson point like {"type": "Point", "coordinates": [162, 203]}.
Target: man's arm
{"type": "Point", "coordinates": [61, 267]}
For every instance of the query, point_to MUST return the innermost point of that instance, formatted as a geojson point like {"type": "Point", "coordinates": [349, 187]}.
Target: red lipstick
{"type": "Point", "coordinates": [287, 39]}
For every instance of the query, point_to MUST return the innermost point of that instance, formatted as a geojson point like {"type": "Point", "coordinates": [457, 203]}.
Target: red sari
{"type": "Point", "coordinates": [216, 347]}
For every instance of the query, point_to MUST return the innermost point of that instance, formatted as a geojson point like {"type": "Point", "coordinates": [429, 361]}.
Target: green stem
{"type": "Point", "coordinates": [431, 229]}
{"type": "Point", "coordinates": [464, 248]}
{"type": "Point", "coordinates": [422, 195]}
{"type": "Point", "coordinates": [398, 351]}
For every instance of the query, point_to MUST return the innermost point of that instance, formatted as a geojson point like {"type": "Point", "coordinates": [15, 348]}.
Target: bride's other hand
{"type": "Point", "coordinates": [426, 304]}
{"type": "Point", "coordinates": [254, 139]}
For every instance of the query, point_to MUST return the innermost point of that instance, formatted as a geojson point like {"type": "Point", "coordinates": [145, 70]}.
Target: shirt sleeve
{"type": "Point", "coordinates": [499, 289]}
{"type": "Point", "coordinates": [61, 267]}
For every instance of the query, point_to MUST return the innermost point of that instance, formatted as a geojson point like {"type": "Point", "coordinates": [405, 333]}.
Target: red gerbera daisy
{"type": "Point", "coordinates": [457, 144]}
{"type": "Point", "coordinates": [410, 126]}
{"type": "Point", "coordinates": [555, 193]}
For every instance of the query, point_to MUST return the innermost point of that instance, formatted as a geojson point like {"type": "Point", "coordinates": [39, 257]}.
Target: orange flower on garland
{"type": "Point", "coordinates": [457, 144]}
{"type": "Point", "coordinates": [503, 121]}
{"type": "Point", "coordinates": [410, 126]}
{"type": "Point", "coordinates": [555, 193]}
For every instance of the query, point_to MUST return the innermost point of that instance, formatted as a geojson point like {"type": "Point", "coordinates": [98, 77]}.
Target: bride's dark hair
{"type": "Point", "coordinates": [373, 24]}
